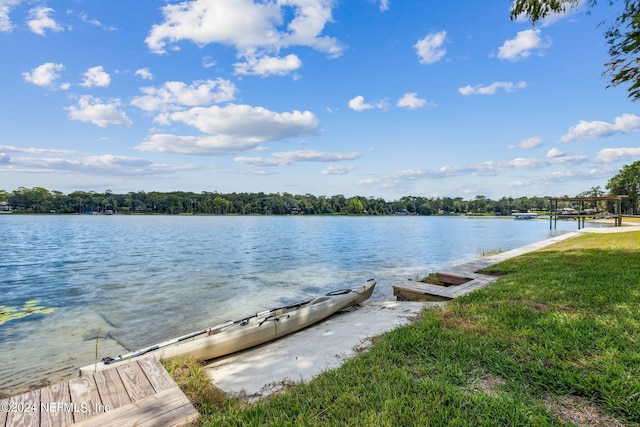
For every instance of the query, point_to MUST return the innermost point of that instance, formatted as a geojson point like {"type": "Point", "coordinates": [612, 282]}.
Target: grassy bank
{"type": "Point", "coordinates": [555, 341]}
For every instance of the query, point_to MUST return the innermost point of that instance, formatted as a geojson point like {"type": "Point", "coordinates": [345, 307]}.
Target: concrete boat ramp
{"type": "Point", "coordinates": [303, 355]}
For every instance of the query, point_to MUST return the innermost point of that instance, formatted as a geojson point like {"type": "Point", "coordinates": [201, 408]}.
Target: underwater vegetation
{"type": "Point", "coordinates": [28, 309]}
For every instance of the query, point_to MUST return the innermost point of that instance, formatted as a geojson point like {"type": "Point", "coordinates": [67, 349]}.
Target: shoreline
{"type": "Point", "coordinates": [259, 372]}
{"type": "Point", "coordinates": [409, 312]}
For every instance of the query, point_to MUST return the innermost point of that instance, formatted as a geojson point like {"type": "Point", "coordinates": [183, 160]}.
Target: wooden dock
{"type": "Point", "coordinates": [140, 393]}
{"type": "Point", "coordinates": [415, 291]}
{"type": "Point", "coordinates": [463, 279]}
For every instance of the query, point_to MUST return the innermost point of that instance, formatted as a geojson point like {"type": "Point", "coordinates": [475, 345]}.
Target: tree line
{"type": "Point", "coordinates": [41, 200]}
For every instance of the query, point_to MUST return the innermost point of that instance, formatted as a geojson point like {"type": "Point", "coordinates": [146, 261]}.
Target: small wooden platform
{"type": "Point", "coordinates": [140, 393]}
{"type": "Point", "coordinates": [463, 278]}
{"type": "Point", "coordinates": [451, 278]}
{"type": "Point", "coordinates": [413, 291]}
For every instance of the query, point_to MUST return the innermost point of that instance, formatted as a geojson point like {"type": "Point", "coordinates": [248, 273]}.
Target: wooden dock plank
{"type": "Point", "coordinates": [423, 291]}
{"type": "Point", "coordinates": [24, 410]}
{"type": "Point", "coordinates": [141, 393]}
{"type": "Point", "coordinates": [112, 392]}
{"type": "Point", "coordinates": [452, 278]}
{"type": "Point", "coordinates": [156, 374]}
{"type": "Point", "coordinates": [55, 406]}
{"type": "Point", "coordinates": [169, 407]}
{"type": "Point", "coordinates": [471, 286]}
{"type": "Point", "coordinates": [135, 381]}
{"type": "Point", "coordinates": [84, 396]}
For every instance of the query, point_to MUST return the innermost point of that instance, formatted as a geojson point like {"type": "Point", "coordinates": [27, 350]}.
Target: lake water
{"type": "Point", "coordinates": [132, 281]}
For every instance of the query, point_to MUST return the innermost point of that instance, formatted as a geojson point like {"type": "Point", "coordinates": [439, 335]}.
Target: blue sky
{"type": "Point", "coordinates": [381, 98]}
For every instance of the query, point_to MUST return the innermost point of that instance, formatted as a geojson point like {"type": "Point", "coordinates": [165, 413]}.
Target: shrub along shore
{"type": "Point", "coordinates": [555, 341]}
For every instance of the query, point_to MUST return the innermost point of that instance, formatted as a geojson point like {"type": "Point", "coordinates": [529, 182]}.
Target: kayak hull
{"type": "Point", "coordinates": [254, 330]}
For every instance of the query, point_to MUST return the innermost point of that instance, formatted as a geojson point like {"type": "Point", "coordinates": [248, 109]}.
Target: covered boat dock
{"type": "Point", "coordinates": [612, 209]}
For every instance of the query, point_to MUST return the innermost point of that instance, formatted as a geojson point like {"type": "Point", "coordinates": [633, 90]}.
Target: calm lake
{"type": "Point", "coordinates": [136, 280]}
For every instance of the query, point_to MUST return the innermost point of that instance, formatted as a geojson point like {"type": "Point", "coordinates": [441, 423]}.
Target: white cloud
{"type": "Point", "coordinates": [196, 145]}
{"type": "Point", "coordinates": [248, 122]}
{"type": "Point", "coordinates": [144, 74]}
{"type": "Point", "coordinates": [408, 100]}
{"type": "Point", "coordinates": [555, 153]}
{"type": "Point", "coordinates": [96, 76]}
{"type": "Point", "coordinates": [533, 142]}
{"type": "Point", "coordinates": [597, 129]}
{"type": "Point", "coordinates": [486, 168]}
{"type": "Point", "coordinates": [250, 26]}
{"type": "Point", "coordinates": [33, 150]}
{"type": "Point", "coordinates": [93, 110]}
{"type": "Point", "coordinates": [523, 45]}
{"type": "Point", "coordinates": [261, 161]}
{"type": "Point", "coordinates": [241, 23]}
{"type": "Point", "coordinates": [208, 62]}
{"type": "Point", "coordinates": [107, 161]}
{"type": "Point", "coordinates": [5, 8]}
{"type": "Point", "coordinates": [231, 129]}
{"type": "Point", "coordinates": [92, 21]}
{"type": "Point", "coordinates": [101, 165]}
{"type": "Point", "coordinates": [551, 180]}
{"type": "Point", "coordinates": [174, 95]}
{"type": "Point", "coordinates": [268, 65]}
{"type": "Point", "coordinates": [609, 155]}
{"type": "Point", "coordinates": [338, 170]}
{"type": "Point", "coordinates": [553, 157]}
{"type": "Point", "coordinates": [305, 28]}
{"type": "Point", "coordinates": [42, 160]}
{"type": "Point", "coordinates": [520, 163]}
{"type": "Point", "coordinates": [358, 104]}
{"type": "Point", "coordinates": [45, 75]}
{"type": "Point", "coordinates": [430, 48]}
{"type": "Point", "coordinates": [546, 180]}
{"type": "Point", "coordinates": [286, 158]}
{"type": "Point", "coordinates": [411, 100]}
{"type": "Point", "coordinates": [492, 88]}
{"type": "Point", "coordinates": [384, 5]}
{"type": "Point", "coordinates": [39, 20]}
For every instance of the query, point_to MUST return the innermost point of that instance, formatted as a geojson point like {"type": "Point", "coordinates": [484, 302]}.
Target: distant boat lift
{"type": "Point", "coordinates": [526, 215]}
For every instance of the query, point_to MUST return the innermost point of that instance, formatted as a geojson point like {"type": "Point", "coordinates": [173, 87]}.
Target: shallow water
{"type": "Point", "coordinates": [136, 280]}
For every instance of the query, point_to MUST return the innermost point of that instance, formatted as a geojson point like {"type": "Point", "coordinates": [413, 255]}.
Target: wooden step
{"type": "Point", "coordinates": [449, 278]}
{"type": "Point", "coordinates": [140, 393]}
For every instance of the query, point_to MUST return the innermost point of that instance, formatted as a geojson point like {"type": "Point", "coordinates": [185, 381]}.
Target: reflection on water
{"type": "Point", "coordinates": [137, 280]}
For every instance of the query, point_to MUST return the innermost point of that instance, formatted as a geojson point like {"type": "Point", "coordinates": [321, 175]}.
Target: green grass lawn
{"type": "Point", "coordinates": [555, 341]}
